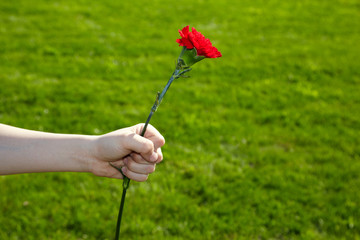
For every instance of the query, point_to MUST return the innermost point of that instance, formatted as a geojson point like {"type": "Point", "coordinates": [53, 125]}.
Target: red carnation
{"type": "Point", "coordinates": [196, 40]}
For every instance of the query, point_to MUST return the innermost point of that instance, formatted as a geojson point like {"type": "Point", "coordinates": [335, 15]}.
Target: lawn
{"type": "Point", "coordinates": [262, 143]}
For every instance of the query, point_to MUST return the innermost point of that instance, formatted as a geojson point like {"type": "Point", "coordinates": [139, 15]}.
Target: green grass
{"type": "Point", "coordinates": [262, 143]}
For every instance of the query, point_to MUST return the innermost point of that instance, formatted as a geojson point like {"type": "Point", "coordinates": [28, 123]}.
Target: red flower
{"type": "Point", "coordinates": [196, 40]}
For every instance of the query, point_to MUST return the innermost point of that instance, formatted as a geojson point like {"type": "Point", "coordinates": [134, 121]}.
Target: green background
{"type": "Point", "coordinates": [262, 143]}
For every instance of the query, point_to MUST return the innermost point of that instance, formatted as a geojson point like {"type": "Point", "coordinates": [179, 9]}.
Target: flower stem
{"type": "Point", "coordinates": [126, 181]}
{"type": "Point", "coordinates": [118, 224]}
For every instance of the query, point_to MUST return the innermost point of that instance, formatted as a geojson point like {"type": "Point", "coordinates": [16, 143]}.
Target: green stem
{"type": "Point", "coordinates": [118, 224]}
{"type": "Point", "coordinates": [126, 181]}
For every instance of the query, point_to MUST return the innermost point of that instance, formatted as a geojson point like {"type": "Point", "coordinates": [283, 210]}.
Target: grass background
{"type": "Point", "coordinates": [262, 143]}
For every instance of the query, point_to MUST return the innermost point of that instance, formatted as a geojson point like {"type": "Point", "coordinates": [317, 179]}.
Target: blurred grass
{"type": "Point", "coordinates": [262, 143]}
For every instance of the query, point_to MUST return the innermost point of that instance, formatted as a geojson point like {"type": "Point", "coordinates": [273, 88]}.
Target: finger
{"type": "Point", "coordinates": [141, 145]}
{"type": "Point", "coordinates": [139, 168]}
{"type": "Point", "coordinates": [118, 164]}
{"type": "Point", "coordinates": [160, 155]}
{"type": "Point", "coordinates": [138, 158]}
{"type": "Point", "coordinates": [135, 176]}
{"type": "Point", "coordinates": [151, 133]}
{"type": "Point", "coordinates": [155, 136]}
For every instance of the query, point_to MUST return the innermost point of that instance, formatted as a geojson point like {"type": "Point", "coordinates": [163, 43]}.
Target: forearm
{"type": "Point", "coordinates": [25, 151]}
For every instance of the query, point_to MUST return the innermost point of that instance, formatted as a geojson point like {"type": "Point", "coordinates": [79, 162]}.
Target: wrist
{"type": "Point", "coordinates": [84, 153]}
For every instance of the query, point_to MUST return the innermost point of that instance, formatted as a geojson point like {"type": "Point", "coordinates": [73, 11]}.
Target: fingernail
{"type": "Point", "coordinates": [123, 169]}
{"type": "Point", "coordinates": [153, 157]}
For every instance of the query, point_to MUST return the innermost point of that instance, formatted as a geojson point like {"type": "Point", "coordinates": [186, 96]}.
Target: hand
{"type": "Point", "coordinates": [136, 156]}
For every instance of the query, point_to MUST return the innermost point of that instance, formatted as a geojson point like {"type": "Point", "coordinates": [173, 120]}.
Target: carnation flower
{"type": "Point", "coordinates": [196, 40]}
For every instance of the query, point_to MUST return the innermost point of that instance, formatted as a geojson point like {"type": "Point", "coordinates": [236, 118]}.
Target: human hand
{"type": "Point", "coordinates": [124, 148]}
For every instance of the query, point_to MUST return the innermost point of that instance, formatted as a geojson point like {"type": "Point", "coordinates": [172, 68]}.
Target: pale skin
{"type": "Point", "coordinates": [27, 151]}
